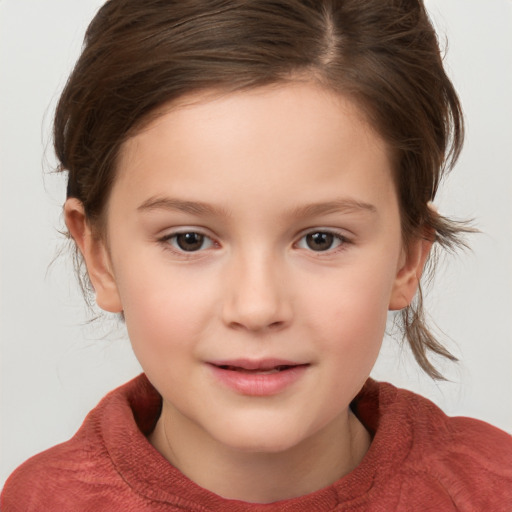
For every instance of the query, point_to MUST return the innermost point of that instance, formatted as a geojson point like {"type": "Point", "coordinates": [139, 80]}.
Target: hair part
{"type": "Point", "coordinates": [382, 54]}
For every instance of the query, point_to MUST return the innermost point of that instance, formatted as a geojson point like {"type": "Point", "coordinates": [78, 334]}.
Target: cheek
{"type": "Point", "coordinates": [355, 294]}
{"type": "Point", "coordinates": [359, 324]}
{"type": "Point", "coordinates": [350, 311]}
{"type": "Point", "coordinates": [165, 309]}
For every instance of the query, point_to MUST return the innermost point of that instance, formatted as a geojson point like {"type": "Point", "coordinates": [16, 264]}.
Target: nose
{"type": "Point", "coordinates": [257, 295]}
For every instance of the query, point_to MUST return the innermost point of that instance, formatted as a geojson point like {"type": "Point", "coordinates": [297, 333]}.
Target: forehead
{"type": "Point", "coordinates": [294, 134]}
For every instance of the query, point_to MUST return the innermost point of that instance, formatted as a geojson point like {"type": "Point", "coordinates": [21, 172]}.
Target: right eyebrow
{"type": "Point", "coordinates": [174, 204]}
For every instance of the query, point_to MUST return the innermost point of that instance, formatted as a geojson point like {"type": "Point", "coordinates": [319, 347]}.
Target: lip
{"type": "Point", "coordinates": [263, 377]}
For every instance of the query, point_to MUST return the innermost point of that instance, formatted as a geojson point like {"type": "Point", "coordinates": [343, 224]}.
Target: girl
{"type": "Point", "coordinates": [249, 186]}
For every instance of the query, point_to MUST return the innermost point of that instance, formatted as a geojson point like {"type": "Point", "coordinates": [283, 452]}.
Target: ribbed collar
{"type": "Point", "coordinates": [129, 413]}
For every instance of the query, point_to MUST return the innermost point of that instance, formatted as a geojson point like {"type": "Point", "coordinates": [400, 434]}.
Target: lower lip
{"type": "Point", "coordinates": [259, 384]}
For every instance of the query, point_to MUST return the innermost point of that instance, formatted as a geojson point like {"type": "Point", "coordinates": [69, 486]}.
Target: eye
{"type": "Point", "coordinates": [321, 241]}
{"type": "Point", "coordinates": [189, 241]}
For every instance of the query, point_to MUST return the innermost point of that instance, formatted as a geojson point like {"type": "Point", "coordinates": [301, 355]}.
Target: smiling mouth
{"type": "Point", "coordinates": [258, 378]}
{"type": "Point", "coordinates": [259, 371]}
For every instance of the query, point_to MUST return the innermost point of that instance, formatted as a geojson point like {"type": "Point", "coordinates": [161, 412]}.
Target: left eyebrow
{"type": "Point", "coordinates": [344, 205]}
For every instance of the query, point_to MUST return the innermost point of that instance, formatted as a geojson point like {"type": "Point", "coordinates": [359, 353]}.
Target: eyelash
{"type": "Point", "coordinates": [167, 241]}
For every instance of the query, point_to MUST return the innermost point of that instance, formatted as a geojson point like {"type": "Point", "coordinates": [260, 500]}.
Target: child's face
{"type": "Point", "coordinates": [292, 259]}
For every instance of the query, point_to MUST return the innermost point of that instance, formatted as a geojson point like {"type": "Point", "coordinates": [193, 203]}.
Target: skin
{"type": "Point", "coordinates": [258, 170]}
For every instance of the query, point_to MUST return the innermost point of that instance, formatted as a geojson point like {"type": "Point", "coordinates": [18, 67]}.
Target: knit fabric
{"type": "Point", "coordinates": [419, 460]}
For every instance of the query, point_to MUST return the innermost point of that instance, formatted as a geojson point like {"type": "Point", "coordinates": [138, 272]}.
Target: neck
{"type": "Point", "coordinates": [261, 477]}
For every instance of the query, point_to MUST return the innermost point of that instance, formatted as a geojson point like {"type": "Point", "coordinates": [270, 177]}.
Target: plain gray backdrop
{"type": "Point", "coordinates": [55, 367]}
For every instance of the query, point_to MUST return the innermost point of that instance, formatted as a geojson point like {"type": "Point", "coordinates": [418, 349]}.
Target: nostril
{"type": "Point", "coordinates": [257, 327]}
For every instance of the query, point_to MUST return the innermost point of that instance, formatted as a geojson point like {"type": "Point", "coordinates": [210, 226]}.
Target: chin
{"type": "Point", "coordinates": [267, 439]}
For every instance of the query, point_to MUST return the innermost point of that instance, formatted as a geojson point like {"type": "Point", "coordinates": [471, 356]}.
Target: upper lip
{"type": "Point", "coordinates": [256, 364]}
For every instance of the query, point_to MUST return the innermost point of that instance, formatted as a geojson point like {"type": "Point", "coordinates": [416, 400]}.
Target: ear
{"type": "Point", "coordinates": [409, 273]}
{"type": "Point", "coordinates": [95, 255]}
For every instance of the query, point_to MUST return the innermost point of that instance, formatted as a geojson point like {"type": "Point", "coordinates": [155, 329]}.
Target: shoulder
{"type": "Point", "coordinates": [81, 474]}
{"type": "Point", "coordinates": [442, 436]}
{"type": "Point", "coordinates": [473, 461]}
{"type": "Point", "coordinates": [56, 477]}
{"type": "Point", "coordinates": [468, 459]}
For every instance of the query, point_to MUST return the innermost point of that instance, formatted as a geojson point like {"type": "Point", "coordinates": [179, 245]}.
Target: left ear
{"type": "Point", "coordinates": [409, 273]}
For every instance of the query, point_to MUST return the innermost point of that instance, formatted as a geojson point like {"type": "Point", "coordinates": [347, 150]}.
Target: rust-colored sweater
{"type": "Point", "coordinates": [419, 460]}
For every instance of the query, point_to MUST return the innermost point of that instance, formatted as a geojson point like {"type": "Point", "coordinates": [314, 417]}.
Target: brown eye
{"type": "Point", "coordinates": [321, 241]}
{"type": "Point", "coordinates": [189, 242]}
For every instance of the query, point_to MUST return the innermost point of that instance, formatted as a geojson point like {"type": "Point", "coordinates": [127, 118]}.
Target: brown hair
{"type": "Point", "coordinates": [383, 54]}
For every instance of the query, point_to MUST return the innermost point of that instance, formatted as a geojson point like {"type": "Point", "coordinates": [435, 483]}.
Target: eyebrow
{"type": "Point", "coordinates": [192, 207]}
{"type": "Point", "coordinates": [344, 205]}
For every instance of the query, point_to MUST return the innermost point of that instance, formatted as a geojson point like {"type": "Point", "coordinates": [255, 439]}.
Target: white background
{"type": "Point", "coordinates": [54, 368]}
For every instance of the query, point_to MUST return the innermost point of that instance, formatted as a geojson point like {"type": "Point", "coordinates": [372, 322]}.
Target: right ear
{"type": "Point", "coordinates": [96, 257]}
